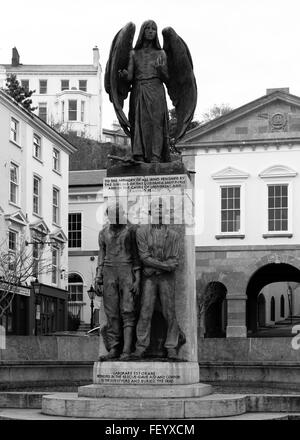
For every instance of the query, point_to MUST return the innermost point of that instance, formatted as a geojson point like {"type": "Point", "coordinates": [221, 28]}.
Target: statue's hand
{"type": "Point", "coordinates": [159, 63]}
{"type": "Point", "coordinates": [123, 74]}
{"type": "Point", "coordinates": [99, 284]}
{"type": "Point", "coordinates": [136, 288]}
{"type": "Point", "coordinates": [172, 266]}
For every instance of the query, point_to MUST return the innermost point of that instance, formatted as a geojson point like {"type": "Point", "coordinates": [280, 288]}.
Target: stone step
{"type": "Point", "coordinates": [36, 414]}
{"type": "Point", "coordinates": [145, 391]}
{"type": "Point", "coordinates": [214, 405]}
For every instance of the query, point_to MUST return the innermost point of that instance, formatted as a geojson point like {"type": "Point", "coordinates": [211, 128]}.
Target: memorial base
{"type": "Point", "coordinates": [146, 373]}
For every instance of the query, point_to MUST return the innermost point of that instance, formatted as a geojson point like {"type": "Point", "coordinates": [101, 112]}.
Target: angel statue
{"type": "Point", "coordinates": [143, 71]}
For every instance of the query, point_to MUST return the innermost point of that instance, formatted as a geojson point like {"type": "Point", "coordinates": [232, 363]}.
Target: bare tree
{"type": "Point", "coordinates": [215, 112]}
{"type": "Point", "coordinates": [17, 268]}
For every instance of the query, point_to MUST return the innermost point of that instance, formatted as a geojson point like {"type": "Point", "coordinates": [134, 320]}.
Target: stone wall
{"type": "Point", "coordinates": [51, 348]}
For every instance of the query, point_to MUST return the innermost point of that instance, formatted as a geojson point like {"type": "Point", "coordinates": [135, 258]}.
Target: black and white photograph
{"type": "Point", "coordinates": [149, 229]}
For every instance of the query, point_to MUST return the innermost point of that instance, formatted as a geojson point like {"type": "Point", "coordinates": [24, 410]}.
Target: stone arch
{"type": "Point", "coordinates": [214, 309]}
{"type": "Point", "coordinates": [276, 268]}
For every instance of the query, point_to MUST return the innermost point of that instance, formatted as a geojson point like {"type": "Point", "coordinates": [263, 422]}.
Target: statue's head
{"type": "Point", "coordinates": [116, 213]}
{"type": "Point", "coordinates": [148, 31]}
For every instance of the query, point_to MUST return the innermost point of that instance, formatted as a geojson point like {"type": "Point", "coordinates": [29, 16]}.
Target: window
{"type": "Point", "coordinates": [25, 84]}
{"type": "Point", "coordinates": [75, 287]}
{"type": "Point", "coordinates": [74, 230]}
{"type": "Point", "coordinates": [83, 85]}
{"type": "Point", "coordinates": [64, 84]}
{"type": "Point", "coordinates": [278, 207]}
{"type": "Point", "coordinates": [55, 206]}
{"type": "Point", "coordinates": [14, 184]}
{"type": "Point", "coordinates": [37, 152]}
{"type": "Point", "coordinates": [54, 266]}
{"type": "Point", "coordinates": [72, 110]}
{"type": "Point", "coordinates": [12, 240]}
{"type": "Point", "coordinates": [14, 130]}
{"type": "Point", "coordinates": [63, 111]}
{"type": "Point", "coordinates": [43, 86]}
{"type": "Point", "coordinates": [230, 208]}
{"type": "Point", "coordinates": [272, 315]}
{"type": "Point", "coordinates": [43, 111]}
{"type": "Point", "coordinates": [282, 307]}
{"type": "Point", "coordinates": [56, 159]}
{"type": "Point", "coordinates": [36, 195]}
{"type": "Point", "coordinates": [82, 111]}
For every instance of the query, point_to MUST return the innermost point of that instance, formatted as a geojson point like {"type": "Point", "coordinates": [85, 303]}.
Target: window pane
{"type": "Point", "coordinates": [74, 230]}
{"type": "Point", "coordinates": [43, 86]}
{"type": "Point", "coordinates": [82, 85]}
{"type": "Point", "coordinates": [43, 111]}
{"type": "Point", "coordinates": [230, 209]}
{"type": "Point", "coordinates": [64, 84]}
{"type": "Point", "coordinates": [284, 190]}
{"type": "Point", "coordinates": [72, 110]}
{"type": "Point", "coordinates": [278, 204]}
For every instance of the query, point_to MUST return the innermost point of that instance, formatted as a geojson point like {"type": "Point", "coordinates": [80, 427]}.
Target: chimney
{"type": "Point", "coordinates": [15, 61]}
{"type": "Point", "coordinates": [279, 89]}
{"type": "Point", "coordinates": [96, 56]}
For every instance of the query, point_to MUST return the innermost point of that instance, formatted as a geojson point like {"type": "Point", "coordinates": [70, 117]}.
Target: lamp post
{"type": "Point", "coordinates": [91, 293]}
{"type": "Point", "coordinates": [36, 287]}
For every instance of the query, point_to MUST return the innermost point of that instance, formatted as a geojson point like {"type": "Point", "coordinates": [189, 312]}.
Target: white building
{"type": "Point", "coordinates": [85, 221]}
{"type": "Point", "coordinates": [247, 212]}
{"type": "Point", "coordinates": [66, 96]}
{"type": "Point", "coordinates": [34, 161]}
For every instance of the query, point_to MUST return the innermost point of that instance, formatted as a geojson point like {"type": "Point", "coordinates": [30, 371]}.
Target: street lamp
{"type": "Point", "coordinates": [92, 293]}
{"type": "Point", "coordinates": [36, 287]}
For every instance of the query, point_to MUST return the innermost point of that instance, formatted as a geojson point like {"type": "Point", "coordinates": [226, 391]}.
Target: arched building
{"type": "Point", "coordinates": [247, 214]}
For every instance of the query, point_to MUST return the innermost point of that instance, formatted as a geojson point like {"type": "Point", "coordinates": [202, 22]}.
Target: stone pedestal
{"type": "Point", "coordinates": [155, 387]}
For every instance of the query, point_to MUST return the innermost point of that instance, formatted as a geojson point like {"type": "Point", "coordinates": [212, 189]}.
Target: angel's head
{"type": "Point", "coordinates": [148, 32]}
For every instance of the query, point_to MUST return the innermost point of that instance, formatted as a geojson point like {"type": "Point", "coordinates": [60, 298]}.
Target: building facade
{"type": "Point", "coordinates": [247, 214]}
{"type": "Point", "coordinates": [34, 161]}
{"type": "Point", "coordinates": [116, 135]}
{"type": "Point", "coordinates": [68, 97]}
{"type": "Point", "coordinates": [86, 206]}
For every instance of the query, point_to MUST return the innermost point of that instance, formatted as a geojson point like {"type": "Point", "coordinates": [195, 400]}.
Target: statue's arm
{"type": "Point", "coordinates": [101, 257]}
{"type": "Point", "coordinates": [127, 75]}
{"type": "Point", "coordinates": [162, 66]}
{"type": "Point", "coordinates": [174, 256]}
{"type": "Point", "coordinates": [145, 254]}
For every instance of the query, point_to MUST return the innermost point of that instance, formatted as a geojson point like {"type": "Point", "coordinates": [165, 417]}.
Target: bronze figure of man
{"type": "Point", "coordinates": [158, 247]}
{"type": "Point", "coordinates": [119, 272]}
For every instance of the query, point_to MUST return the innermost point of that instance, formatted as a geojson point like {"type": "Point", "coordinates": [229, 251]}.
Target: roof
{"type": "Point", "coordinates": [86, 177]}
{"type": "Point", "coordinates": [196, 134]}
{"type": "Point", "coordinates": [5, 97]}
{"type": "Point", "coordinates": [48, 68]}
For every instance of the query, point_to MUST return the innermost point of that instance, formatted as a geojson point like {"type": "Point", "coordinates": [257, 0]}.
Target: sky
{"type": "Point", "coordinates": [239, 47]}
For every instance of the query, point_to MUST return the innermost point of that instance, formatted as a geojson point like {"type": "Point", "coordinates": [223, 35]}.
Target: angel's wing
{"type": "Point", "coordinates": [118, 59]}
{"type": "Point", "coordinates": [181, 85]}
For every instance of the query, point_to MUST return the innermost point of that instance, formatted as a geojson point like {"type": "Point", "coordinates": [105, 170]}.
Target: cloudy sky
{"type": "Point", "coordinates": [239, 47]}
